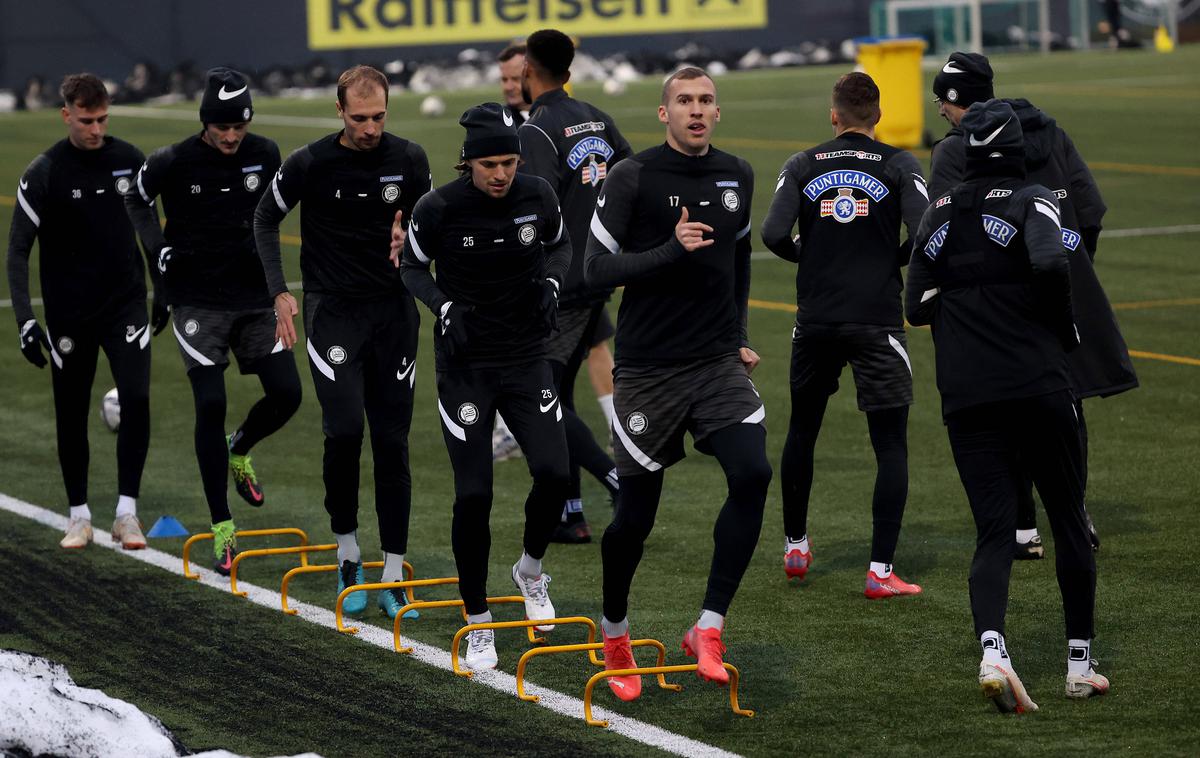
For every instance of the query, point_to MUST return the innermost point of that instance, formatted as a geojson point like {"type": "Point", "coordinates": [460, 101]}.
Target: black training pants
{"type": "Point", "coordinates": [987, 441]}
{"type": "Point", "coordinates": [75, 347]}
{"type": "Point", "coordinates": [363, 357]}
{"type": "Point", "coordinates": [741, 451]}
{"type": "Point", "coordinates": [889, 439]}
{"type": "Point", "coordinates": [468, 401]}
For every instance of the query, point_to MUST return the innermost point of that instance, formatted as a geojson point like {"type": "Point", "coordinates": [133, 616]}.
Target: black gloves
{"type": "Point", "coordinates": [32, 340]}
{"type": "Point", "coordinates": [160, 314]}
{"type": "Point", "coordinates": [453, 324]}
{"type": "Point", "coordinates": [548, 306]}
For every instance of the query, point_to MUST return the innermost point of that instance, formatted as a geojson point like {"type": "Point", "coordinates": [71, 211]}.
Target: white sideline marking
{"type": "Point", "coordinates": [566, 705]}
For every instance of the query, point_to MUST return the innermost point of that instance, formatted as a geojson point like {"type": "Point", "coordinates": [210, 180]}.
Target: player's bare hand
{"type": "Point", "coordinates": [285, 313]}
{"type": "Point", "coordinates": [749, 358]}
{"type": "Point", "coordinates": [691, 233]}
{"type": "Point", "coordinates": [399, 233]}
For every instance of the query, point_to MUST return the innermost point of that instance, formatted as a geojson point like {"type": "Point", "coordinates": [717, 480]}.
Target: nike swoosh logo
{"type": "Point", "coordinates": [23, 184]}
{"type": "Point", "coordinates": [414, 226]}
{"type": "Point", "coordinates": [224, 95]}
{"type": "Point", "coordinates": [600, 201]}
{"type": "Point", "coordinates": [950, 69]}
{"type": "Point", "coordinates": [546, 408]}
{"type": "Point", "coordinates": [401, 376]}
{"type": "Point", "coordinates": [988, 140]}
{"type": "Point", "coordinates": [135, 335]}
{"type": "Point", "coordinates": [616, 683]}
{"type": "Point", "coordinates": [508, 119]}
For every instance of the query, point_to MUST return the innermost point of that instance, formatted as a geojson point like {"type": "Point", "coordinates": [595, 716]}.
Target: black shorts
{"type": "Point", "coordinates": [74, 345]}
{"type": "Point", "coordinates": [604, 328]}
{"type": "Point", "coordinates": [878, 356]}
{"type": "Point", "coordinates": [574, 325]}
{"type": "Point", "coordinates": [206, 336]}
{"type": "Point", "coordinates": [655, 405]}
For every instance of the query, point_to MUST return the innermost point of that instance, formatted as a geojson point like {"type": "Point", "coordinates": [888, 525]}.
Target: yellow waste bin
{"type": "Point", "coordinates": [895, 65]}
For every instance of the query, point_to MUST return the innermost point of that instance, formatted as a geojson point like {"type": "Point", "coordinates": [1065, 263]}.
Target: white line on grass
{"type": "Point", "coordinates": [566, 705]}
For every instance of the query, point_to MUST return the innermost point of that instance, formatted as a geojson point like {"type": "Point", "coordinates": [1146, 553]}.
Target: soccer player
{"type": "Point", "coordinates": [990, 274]}
{"type": "Point", "coordinates": [572, 145]}
{"type": "Point", "coordinates": [501, 250]}
{"type": "Point", "coordinates": [210, 184]}
{"type": "Point", "coordinates": [850, 195]}
{"type": "Point", "coordinates": [673, 226]}
{"type": "Point", "coordinates": [1101, 366]}
{"type": "Point", "coordinates": [359, 322]}
{"type": "Point", "coordinates": [94, 290]}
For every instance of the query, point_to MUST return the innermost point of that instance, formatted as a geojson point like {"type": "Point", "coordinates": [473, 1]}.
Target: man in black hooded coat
{"type": "Point", "coordinates": [1101, 366]}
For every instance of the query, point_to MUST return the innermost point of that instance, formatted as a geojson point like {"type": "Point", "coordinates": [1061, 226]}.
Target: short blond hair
{"type": "Point", "coordinates": [360, 78]}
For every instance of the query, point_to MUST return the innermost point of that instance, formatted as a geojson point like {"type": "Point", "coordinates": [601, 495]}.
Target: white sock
{"type": "Point", "coordinates": [882, 570]}
{"type": "Point", "coordinates": [1079, 657]}
{"type": "Point", "coordinates": [348, 548]}
{"type": "Point", "coordinates": [530, 568]}
{"type": "Point", "coordinates": [126, 506]}
{"type": "Point", "coordinates": [1026, 535]}
{"type": "Point", "coordinates": [994, 651]}
{"type": "Point", "coordinates": [606, 405]}
{"type": "Point", "coordinates": [81, 511]}
{"type": "Point", "coordinates": [479, 618]}
{"type": "Point", "coordinates": [711, 620]}
{"type": "Point", "coordinates": [614, 628]}
{"type": "Point", "coordinates": [393, 567]}
{"type": "Point", "coordinates": [800, 544]}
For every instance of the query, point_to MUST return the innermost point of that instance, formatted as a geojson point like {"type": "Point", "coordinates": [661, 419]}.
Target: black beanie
{"type": "Point", "coordinates": [491, 130]}
{"type": "Point", "coordinates": [226, 97]}
{"type": "Point", "coordinates": [965, 79]}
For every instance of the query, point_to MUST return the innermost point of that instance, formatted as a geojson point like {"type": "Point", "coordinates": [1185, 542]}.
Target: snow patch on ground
{"type": "Point", "coordinates": [43, 711]}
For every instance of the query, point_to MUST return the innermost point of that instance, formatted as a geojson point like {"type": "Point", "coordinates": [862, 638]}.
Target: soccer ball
{"type": "Point", "coordinates": [613, 87]}
{"type": "Point", "coordinates": [433, 106]}
{"type": "Point", "coordinates": [110, 410]}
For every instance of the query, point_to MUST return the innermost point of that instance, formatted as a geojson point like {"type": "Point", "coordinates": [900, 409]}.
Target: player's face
{"type": "Point", "coordinates": [951, 112]}
{"type": "Point", "coordinates": [494, 174]}
{"type": "Point", "coordinates": [511, 80]}
{"type": "Point", "coordinates": [690, 113]}
{"type": "Point", "coordinates": [86, 127]}
{"type": "Point", "coordinates": [363, 116]}
{"type": "Point", "coordinates": [226, 137]}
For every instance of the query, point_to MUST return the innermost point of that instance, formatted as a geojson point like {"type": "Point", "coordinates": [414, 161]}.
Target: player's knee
{"type": "Point", "coordinates": [472, 502]}
{"type": "Point", "coordinates": [343, 428]}
{"type": "Point", "coordinates": [749, 480]}
{"type": "Point", "coordinates": [550, 474]}
{"type": "Point", "coordinates": [287, 398]}
{"type": "Point", "coordinates": [209, 403]}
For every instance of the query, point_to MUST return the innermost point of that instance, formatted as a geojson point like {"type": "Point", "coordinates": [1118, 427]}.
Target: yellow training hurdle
{"type": "Point", "coordinates": [591, 647]}
{"type": "Point", "coordinates": [421, 605]}
{"type": "Point", "coordinates": [525, 623]}
{"type": "Point", "coordinates": [587, 692]}
{"type": "Point", "coordinates": [383, 586]}
{"type": "Point", "coordinates": [331, 567]}
{"type": "Point", "coordinates": [187, 546]}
